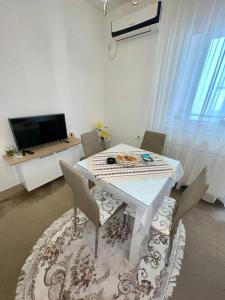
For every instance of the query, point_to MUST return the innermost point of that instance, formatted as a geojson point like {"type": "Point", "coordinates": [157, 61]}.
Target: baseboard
{"type": "Point", "coordinates": [13, 191]}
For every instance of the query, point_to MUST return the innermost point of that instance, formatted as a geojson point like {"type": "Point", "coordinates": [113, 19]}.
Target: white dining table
{"type": "Point", "coordinates": [144, 195]}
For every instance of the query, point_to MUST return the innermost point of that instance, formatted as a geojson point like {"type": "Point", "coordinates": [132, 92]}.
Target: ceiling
{"type": "Point", "coordinates": [112, 3]}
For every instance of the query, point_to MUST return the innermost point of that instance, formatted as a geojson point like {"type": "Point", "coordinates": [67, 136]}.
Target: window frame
{"type": "Point", "coordinates": [182, 115]}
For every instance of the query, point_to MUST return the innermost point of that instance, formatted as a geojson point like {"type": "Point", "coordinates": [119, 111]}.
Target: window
{"type": "Point", "coordinates": [209, 100]}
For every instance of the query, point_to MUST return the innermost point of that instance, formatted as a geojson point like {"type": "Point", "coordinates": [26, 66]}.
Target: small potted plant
{"type": "Point", "coordinates": [103, 133]}
{"type": "Point", "coordinates": [10, 151]}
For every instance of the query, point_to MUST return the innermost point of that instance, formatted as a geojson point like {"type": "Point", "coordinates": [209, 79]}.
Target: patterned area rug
{"type": "Point", "coordinates": [62, 265]}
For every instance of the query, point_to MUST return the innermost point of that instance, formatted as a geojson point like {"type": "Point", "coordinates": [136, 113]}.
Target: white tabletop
{"type": "Point", "coordinates": [144, 190]}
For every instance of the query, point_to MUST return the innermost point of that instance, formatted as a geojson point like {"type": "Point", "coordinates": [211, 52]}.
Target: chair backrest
{"type": "Point", "coordinates": [153, 141]}
{"type": "Point", "coordinates": [82, 196]}
{"type": "Point", "coordinates": [191, 196]}
{"type": "Point", "coordinates": [90, 142]}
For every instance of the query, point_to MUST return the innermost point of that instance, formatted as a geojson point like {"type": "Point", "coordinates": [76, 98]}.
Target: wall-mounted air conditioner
{"type": "Point", "coordinates": [141, 21]}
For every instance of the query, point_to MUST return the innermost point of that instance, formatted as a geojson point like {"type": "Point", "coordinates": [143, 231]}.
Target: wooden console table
{"type": "Point", "coordinates": [42, 151]}
{"type": "Point", "coordinates": [41, 167]}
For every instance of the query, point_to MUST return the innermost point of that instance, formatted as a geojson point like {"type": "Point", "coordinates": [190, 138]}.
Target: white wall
{"type": "Point", "coordinates": [127, 86]}
{"type": "Point", "coordinates": [51, 60]}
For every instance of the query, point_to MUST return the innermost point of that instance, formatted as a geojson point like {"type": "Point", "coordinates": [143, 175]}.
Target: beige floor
{"type": "Point", "coordinates": [25, 217]}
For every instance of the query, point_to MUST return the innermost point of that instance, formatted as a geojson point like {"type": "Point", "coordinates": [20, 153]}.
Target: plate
{"type": "Point", "coordinates": [127, 159]}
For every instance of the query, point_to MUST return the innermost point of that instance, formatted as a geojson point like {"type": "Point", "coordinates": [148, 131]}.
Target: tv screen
{"type": "Point", "coordinates": [38, 130]}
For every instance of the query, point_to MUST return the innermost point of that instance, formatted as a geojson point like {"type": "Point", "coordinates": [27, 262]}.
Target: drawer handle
{"type": "Point", "coordinates": [43, 156]}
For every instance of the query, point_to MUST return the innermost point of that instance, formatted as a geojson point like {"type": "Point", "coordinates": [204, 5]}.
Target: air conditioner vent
{"type": "Point", "coordinates": [138, 22]}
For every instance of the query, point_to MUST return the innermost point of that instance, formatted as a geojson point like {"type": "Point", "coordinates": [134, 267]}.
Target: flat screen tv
{"type": "Point", "coordinates": [38, 130]}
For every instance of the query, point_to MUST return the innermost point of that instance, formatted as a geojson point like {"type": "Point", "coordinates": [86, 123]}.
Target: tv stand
{"type": "Point", "coordinates": [42, 166]}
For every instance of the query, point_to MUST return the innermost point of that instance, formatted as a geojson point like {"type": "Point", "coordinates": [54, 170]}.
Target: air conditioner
{"type": "Point", "coordinates": [141, 21]}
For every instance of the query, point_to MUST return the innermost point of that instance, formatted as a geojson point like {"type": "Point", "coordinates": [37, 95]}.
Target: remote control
{"type": "Point", "coordinates": [29, 152]}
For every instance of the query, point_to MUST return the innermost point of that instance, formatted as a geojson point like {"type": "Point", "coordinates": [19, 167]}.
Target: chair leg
{"type": "Point", "coordinates": [75, 219]}
{"type": "Point", "coordinates": [169, 250]}
{"type": "Point", "coordinates": [91, 184]}
{"type": "Point", "coordinates": [96, 242]}
{"type": "Point", "coordinates": [124, 220]}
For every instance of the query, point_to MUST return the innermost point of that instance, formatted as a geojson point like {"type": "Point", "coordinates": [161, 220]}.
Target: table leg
{"type": "Point", "coordinates": [136, 241]}
{"type": "Point", "coordinates": [142, 224]}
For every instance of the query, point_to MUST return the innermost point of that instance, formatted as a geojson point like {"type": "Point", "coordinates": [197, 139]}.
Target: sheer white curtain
{"type": "Point", "coordinates": [188, 90]}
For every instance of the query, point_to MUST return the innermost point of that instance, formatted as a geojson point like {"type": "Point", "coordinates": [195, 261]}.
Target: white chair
{"type": "Point", "coordinates": [189, 199]}
{"type": "Point", "coordinates": [167, 218]}
{"type": "Point", "coordinates": [153, 141]}
{"type": "Point", "coordinates": [98, 207]}
{"type": "Point", "coordinates": [91, 143]}
{"type": "Point", "coordinates": [162, 219]}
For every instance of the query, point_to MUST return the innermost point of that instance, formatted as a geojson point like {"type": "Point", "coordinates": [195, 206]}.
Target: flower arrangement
{"type": "Point", "coordinates": [102, 131]}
